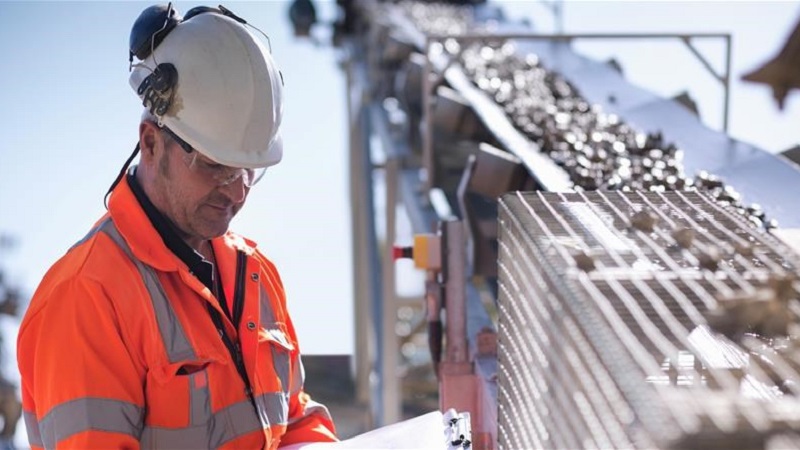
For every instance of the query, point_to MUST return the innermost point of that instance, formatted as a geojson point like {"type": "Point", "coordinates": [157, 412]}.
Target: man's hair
{"type": "Point", "coordinates": [163, 164]}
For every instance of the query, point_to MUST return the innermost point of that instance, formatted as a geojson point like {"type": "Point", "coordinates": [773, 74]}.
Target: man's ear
{"type": "Point", "coordinates": [150, 140]}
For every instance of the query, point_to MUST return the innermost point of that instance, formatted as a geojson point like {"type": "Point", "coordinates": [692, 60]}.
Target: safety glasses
{"type": "Point", "coordinates": [220, 174]}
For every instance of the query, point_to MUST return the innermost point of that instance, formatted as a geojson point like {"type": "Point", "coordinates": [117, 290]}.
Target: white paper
{"type": "Point", "coordinates": [422, 432]}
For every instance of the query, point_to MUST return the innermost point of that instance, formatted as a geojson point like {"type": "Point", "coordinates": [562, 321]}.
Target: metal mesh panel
{"type": "Point", "coordinates": [643, 320]}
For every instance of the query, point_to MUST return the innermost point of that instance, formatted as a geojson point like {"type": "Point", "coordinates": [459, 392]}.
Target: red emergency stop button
{"type": "Point", "coordinates": [402, 252]}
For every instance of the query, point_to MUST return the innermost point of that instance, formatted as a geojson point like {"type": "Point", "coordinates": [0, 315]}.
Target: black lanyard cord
{"type": "Point", "coordinates": [121, 174]}
{"type": "Point", "coordinates": [233, 347]}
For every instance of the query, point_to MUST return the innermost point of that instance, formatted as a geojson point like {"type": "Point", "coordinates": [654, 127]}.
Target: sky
{"type": "Point", "coordinates": [70, 120]}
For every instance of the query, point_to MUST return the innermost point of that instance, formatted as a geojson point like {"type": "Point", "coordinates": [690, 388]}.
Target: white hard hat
{"type": "Point", "coordinates": [227, 99]}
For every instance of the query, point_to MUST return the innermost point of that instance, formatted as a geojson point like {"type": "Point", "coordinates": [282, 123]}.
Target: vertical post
{"type": "Point", "coordinates": [458, 387]}
{"type": "Point", "coordinates": [455, 291]}
{"type": "Point", "coordinates": [389, 341]}
{"type": "Point", "coordinates": [361, 272]}
{"type": "Point", "coordinates": [558, 15]}
{"type": "Point", "coordinates": [427, 109]}
{"type": "Point", "coordinates": [433, 315]}
{"type": "Point", "coordinates": [727, 83]}
{"type": "Point", "coordinates": [366, 278]}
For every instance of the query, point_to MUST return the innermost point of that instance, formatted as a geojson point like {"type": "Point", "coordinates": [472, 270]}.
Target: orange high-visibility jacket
{"type": "Point", "coordinates": [118, 349]}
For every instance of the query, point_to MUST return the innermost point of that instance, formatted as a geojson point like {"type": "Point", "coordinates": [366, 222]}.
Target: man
{"type": "Point", "coordinates": [161, 329]}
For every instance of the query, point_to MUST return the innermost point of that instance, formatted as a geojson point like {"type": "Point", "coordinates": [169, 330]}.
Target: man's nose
{"type": "Point", "coordinates": [235, 191]}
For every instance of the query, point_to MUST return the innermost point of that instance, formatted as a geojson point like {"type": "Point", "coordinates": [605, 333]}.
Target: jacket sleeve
{"type": "Point", "coordinates": [80, 387]}
{"type": "Point", "coordinates": [309, 421]}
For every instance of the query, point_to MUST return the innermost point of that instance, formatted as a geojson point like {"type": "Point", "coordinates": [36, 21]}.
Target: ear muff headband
{"type": "Point", "coordinates": [155, 23]}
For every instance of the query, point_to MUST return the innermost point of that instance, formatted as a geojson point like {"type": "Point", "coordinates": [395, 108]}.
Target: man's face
{"type": "Point", "coordinates": [197, 205]}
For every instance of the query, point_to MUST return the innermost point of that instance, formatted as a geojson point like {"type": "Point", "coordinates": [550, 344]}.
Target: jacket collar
{"type": "Point", "coordinates": [164, 227]}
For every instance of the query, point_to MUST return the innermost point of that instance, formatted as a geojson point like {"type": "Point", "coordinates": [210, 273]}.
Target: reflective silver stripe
{"type": "Point", "coordinates": [266, 307]}
{"type": "Point", "coordinates": [84, 414]}
{"type": "Point", "coordinates": [199, 398]}
{"type": "Point", "coordinates": [172, 334]}
{"type": "Point", "coordinates": [273, 408]}
{"type": "Point", "coordinates": [280, 357]}
{"type": "Point", "coordinates": [91, 233]}
{"type": "Point", "coordinates": [280, 360]}
{"type": "Point", "coordinates": [230, 423]}
{"type": "Point", "coordinates": [298, 377]}
{"type": "Point", "coordinates": [312, 408]}
{"type": "Point", "coordinates": [32, 426]}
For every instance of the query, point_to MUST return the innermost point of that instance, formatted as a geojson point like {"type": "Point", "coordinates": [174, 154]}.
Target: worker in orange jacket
{"type": "Point", "coordinates": [160, 328]}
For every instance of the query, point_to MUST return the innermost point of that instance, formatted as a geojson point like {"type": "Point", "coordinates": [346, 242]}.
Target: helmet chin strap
{"type": "Point", "coordinates": [121, 174]}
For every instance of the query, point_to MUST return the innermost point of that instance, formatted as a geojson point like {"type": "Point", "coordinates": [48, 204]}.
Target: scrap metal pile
{"type": "Point", "coordinates": [648, 320]}
{"type": "Point", "coordinates": [438, 18]}
{"type": "Point", "coordinates": [598, 150]}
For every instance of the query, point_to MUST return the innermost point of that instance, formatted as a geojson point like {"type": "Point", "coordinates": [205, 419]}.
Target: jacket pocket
{"type": "Point", "coordinates": [274, 345]}
{"type": "Point", "coordinates": [276, 357]}
{"type": "Point", "coordinates": [178, 394]}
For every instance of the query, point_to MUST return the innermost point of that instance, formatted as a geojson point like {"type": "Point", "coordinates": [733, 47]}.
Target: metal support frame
{"type": "Point", "coordinates": [467, 371]}
{"type": "Point", "coordinates": [455, 281]}
{"type": "Point", "coordinates": [389, 340]}
{"type": "Point", "coordinates": [724, 77]}
{"type": "Point", "coordinates": [360, 222]}
{"type": "Point", "coordinates": [556, 7]}
{"type": "Point", "coordinates": [387, 302]}
{"type": "Point", "coordinates": [430, 76]}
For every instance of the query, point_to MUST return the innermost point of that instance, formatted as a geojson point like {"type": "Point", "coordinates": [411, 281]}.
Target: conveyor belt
{"type": "Point", "coordinates": [541, 168]}
{"type": "Point", "coordinates": [758, 175]}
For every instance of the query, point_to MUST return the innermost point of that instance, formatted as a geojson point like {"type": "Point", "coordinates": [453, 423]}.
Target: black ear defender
{"type": "Point", "coordinates": [150, 28]}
